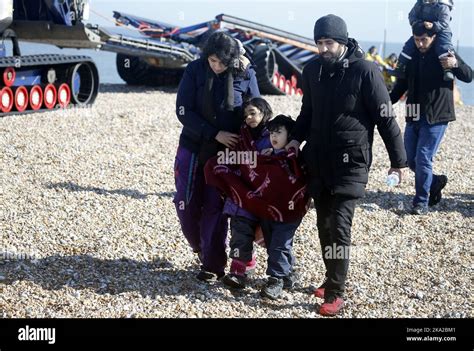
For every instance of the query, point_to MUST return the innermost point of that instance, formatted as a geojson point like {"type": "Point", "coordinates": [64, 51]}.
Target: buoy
{"type": "Point", "coordinates": [49, 96]}
{"type": "Point", "coordinates": [276, 79]}
{"type": "Point", "coordinates": [64, 95]}
{"type": "Point", "coordinates": [21, 98]}
{"type": "Point", "coordinates": [36, 97]}
{"type": "Point", "coordinates": [294, 81]}
{"type": "Point", "coordinates": [282, 82]}
{"type": "Point", "coordinates": [6, 100]}
{"type": "Point", "coordinates": [288, 87]}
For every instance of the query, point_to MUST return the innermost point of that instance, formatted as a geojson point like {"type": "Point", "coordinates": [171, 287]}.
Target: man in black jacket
{"type": "Point", "coordinates": [344, 98]}
{"type": "Point", "coordinates": [430, 106]}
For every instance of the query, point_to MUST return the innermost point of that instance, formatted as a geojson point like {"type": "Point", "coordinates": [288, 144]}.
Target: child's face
{"type": "Point", "coordinates": [279, 138]}
{"type": "Point", "coordinates": [253, 116]}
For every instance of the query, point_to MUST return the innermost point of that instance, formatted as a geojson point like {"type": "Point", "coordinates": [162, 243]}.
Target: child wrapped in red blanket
{"type": "Point", "coordinates": [271, 186]}
{"type": "Point", "coordinates": [268, 186]}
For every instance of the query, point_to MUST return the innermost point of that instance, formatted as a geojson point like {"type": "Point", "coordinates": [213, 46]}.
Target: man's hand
{"type": "Point", "coordinates": [266, 152]}
{"type": "Point", "coordinates": [227, 139]}
{"type": "Point", "coordinates": [428, 25]}
{"type": "Point", "coordinates": [449, 61]}
{"type": "Point", "coordinates": [399, 171]}
{"type": "Point", "coordinates": [293, 144]}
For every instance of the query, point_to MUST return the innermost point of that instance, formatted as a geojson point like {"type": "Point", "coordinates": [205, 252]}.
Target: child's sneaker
{"type": "Point", "coordinates": [208, 277]}
{"type": "Point", "coordinates": [242, 268]}
{"type": "Point", "coordinates": [273, 288]}
{"type": "Point", "coordinates": [239, 272]}
{"type": "Point", "coordinates": [420, 209]}
{"type": "Point", "coordinates": [448, 75]}
{"type": "Point", "coordinates": [289, 281]}
{"type": "Point", "coordinates": [234, 281]}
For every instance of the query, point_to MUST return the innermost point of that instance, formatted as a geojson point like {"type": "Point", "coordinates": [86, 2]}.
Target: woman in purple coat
{"type": "Point", "coordinates": [209, 104]}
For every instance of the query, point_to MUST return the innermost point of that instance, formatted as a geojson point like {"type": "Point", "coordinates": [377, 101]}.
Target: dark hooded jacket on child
{"type": "Point", "coordinates": [275, 189]}
{"type": "Point", "coordinates": [439, 14]}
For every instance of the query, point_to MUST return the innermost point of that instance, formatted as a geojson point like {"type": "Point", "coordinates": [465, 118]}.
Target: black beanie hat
{"type": "Point", "coordinates": [331, 27]}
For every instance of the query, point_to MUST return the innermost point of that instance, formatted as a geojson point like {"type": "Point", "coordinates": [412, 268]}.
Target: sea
{"type": "Point", "coordinates": [105, 61]}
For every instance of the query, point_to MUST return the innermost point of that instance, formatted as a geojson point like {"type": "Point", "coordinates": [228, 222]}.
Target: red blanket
{"type": "Point", "coordinates": [270, 187]}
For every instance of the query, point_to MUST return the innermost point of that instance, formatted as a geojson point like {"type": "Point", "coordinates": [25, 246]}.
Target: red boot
{"type": "Point", "coordinates": [319, 292]}
{"type": "Point", "coordinates": [331, 306]}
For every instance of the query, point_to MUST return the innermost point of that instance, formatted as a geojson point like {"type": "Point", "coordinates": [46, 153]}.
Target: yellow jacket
{"type": "Point", "coordinates": [376, 58]}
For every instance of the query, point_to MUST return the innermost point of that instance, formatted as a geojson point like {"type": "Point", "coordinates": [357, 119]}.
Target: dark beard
{"type": "Point", "coordinates": [330, 62]}
{"type": "Point", "coordinates": [327, 62]}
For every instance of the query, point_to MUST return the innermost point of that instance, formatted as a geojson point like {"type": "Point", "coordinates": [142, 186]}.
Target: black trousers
{"type": "Point", "coordinates": [334, 221]}
{"type": "Point", "coordinates": [242, 238]}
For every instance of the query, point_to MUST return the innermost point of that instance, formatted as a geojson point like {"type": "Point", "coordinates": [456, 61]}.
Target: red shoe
{"type": "Point", "coordinates": [331, 306]}
{"type": "Point", "coordinates": [319, 292]}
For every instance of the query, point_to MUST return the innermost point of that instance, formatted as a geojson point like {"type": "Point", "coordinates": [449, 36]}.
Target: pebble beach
{"type": "Point", "coordinates": [89, 230]}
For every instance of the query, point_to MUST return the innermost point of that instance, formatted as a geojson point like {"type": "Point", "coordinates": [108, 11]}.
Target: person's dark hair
{"type": "Point", "coordinates": [281, 121]}
{"type": "Point", "coordinates": [419, 29]}
{"type": "Point", "coordinates": [372, 49]}
{"type": "Point", "coordinates": [225, 48]}
{"type": "Point", "coordinates": [262, 105]}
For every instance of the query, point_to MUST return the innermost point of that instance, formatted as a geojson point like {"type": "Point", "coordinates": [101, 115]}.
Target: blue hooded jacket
{"type": "Point", "coordinates": [438, 13]}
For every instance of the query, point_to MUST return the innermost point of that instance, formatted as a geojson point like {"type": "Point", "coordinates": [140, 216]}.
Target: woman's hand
{"type": "Point", "coordinates": [227, 139]}
{"type": "Point", "coordinates": [266, 152]}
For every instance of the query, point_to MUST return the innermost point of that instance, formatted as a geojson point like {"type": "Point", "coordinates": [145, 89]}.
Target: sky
{"type": "Point", "coordinates": [366, 20]}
